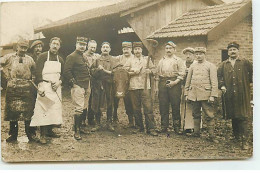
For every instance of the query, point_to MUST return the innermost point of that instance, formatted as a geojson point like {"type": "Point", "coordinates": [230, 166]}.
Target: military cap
{"type": "Point", "coordinates": [105, 42]}
{"type": "Point", "coordinates": [36, 42]}
{"type": "Point", "coordinates": [233, 44]}
{"type": "Point", "coordinates": [83, 40]}
{"type": "Point", "coordinates": [137, 44]}
{"type": "Point", "coordinates": [188, 49]}
{"type": "Point", "coordinates": [200, 49]}
{"type": "Point", "coordinates": [23, 42]}
{"type": "Point", "coordinates": [127, 44]}
{"type": "Point", "coordinates": [170, 43]}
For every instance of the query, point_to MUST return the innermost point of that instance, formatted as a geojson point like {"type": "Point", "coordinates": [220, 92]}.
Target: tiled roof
{"type": "Point", "coordinates": [197, 22]}
{"type": "Point", "coordinates": [116, 8]}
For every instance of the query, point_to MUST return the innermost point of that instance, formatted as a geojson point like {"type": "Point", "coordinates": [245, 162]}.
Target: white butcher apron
{"type": "Point", "coordinates": [53, 115]}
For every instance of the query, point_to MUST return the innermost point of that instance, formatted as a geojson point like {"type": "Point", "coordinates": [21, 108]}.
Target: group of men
{"type": "Point", "coordinates": [194, 82]}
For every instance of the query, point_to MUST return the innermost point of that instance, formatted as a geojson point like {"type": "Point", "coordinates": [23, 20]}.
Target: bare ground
{"type": "Point", "coordinates": [121, 144]}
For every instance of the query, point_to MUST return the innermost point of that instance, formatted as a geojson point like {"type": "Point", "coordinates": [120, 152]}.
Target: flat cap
{"type": "Point", "coordinates": [233, 44]}
{"type": "Point", "coordinates": [23, 42]}
{"type": "Point", "coordinates": [36, 42]}
{"type": "Point", "coordinates": [200, 49]}
{"type": "Point", "coordinates": [170, 43]}
{"type": "Point", "coordinates": [188, 49]}
{"type": "Point", "coordinates": [137, 44]}
{"type": "Point", "coordinates": [83, 40]}
{"type": "Point", "coordinates": [127, 44]}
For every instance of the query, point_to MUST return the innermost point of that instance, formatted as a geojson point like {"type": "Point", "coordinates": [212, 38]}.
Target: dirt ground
{"type": "Point", "coordinates": [119, 145]}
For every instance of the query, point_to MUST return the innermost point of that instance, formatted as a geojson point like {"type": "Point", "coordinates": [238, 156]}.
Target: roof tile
{"type": "Point", "coordinates": [197, 22]}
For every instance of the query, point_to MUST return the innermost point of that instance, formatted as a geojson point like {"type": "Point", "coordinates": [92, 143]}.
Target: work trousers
{"type": "Point", "coordinates": [169, 96]}
{"type": "Point", "coordinates": [13, 131]}
{"type": "Point", "coordinates": [80, 98]}
{"type": "Point", "coordinates": [139, 98]}
{"type": "Point", "coordinates": [207, 108]}
{"type": "Point", "coordinates": [110, 100]}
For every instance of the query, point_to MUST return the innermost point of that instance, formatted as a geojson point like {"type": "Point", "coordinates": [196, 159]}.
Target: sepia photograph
{"type": "Point", "coordinates": [126, 80]}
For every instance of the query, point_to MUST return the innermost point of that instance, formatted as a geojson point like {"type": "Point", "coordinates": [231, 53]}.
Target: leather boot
{"type": "Point", "coordinates": [196, 128]}
{"type": "Point", "coordinates": [211, 128]}
{"type": "Point", "coordinates": [51, 133]}
{"type": "Point", "coordinates": [77, 123]}
{"type": "Point", "coordinates": [130, 122]}
{"type": "Point", "coordinates": [176, 126]}
{"type": "Point", "coordinates": [110, 127]}
{"type": "Point", "coordinates": [13, 132]}
{"type": "Point", "coordinates": [43, 130]}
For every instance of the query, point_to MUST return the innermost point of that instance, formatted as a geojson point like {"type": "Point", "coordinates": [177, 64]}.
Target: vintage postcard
{"type": "Point", "coordinates": [121, 80]}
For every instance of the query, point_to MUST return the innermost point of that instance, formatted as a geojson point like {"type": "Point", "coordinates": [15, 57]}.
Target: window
{"type": "Point", "coordinates": [224, 55]}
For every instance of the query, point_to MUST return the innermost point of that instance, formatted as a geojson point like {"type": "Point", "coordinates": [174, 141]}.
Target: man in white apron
{"type": "Point", "coordinates": [48, 107]}
{"type": "Point", "coordinates": [77, 74]}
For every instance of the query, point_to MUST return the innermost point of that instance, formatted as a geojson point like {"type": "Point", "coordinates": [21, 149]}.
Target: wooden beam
{"type": "Point", "coordinates": [230, 22]}
{"type": "Point", "coordinates": [140, 8]}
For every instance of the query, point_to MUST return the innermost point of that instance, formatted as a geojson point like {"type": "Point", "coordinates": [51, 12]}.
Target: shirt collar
{"type": "Point", "coordinates": [237, 59]}
{"type": "Point", "coordinates": [173, 56]}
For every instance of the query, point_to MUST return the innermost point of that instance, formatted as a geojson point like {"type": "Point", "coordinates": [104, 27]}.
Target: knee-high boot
{"type": "Point", "coordinates": [77, 123]}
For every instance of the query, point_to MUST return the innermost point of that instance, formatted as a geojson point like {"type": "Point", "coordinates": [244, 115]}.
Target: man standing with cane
{"type": "Point", "coordinates": [234, 76]}
{"type": "Point", "coordinates": [140, 93]}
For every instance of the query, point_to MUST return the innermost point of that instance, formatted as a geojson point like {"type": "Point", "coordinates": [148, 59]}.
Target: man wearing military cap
{"type": "Point", "coordinates": [49, 70]}
{"type": "Point", "coordinates": [36, 49]}
{"type": "Point", "coordinates": [186, 107]}
{"type": "Point", "coordinates": [139, 67]}
{"type": "Point", "coordinates": [101, 72]}
{"type": "Point", "coordinates": [202, 88]}
{"type": "Point", "coordinates": [235, 75]}
{"type": "Point", "coordinates": [122, 59]}
{"type": "Point", "coordinates": [76, 72]}
{"type": "Point", "coordinates": [20, 98]}
{"type": "Point", "coordinates": [170, 73]}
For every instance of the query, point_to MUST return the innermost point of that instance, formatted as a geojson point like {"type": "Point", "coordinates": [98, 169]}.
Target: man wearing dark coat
{"type": "Point", "coordinates": [76, 71]}
{"type": "Point", "coordinates": [235, 76]}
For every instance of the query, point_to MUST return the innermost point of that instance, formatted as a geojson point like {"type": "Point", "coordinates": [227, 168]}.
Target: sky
{"type": "Point", "coordinates": [20, 18]}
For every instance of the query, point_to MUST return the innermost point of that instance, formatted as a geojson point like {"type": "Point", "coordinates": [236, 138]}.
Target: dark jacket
{"type": "Point", "coordinates": [76, 70]}
{"type": "Point", "coordinates": [237, 82]}
{"type": "Point", "coordinates": [108, 63]}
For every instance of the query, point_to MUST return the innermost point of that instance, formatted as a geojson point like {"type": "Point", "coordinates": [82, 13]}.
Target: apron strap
{"type": "Point", "coordinates": [48, 58]}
